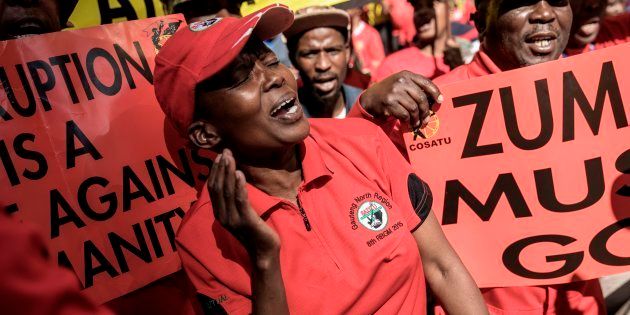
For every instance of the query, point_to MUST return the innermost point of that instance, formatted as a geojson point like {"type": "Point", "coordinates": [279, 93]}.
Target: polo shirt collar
{"type": "Point", "coordinates": [314, 168]}
{"type": "Point", "coordinates": [483, 65]}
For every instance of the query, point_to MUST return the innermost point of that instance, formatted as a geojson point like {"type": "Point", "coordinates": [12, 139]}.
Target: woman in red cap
{"type": "Point", "coordinates": [308, 216]}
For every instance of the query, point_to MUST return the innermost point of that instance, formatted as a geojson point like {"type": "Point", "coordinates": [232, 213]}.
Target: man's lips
{"type": "Point", "coordinates": [25, 27]}
{"type": "Point", "coordinates": [542, 43]}
{"type": "Point", "coordinates": [325, 84]}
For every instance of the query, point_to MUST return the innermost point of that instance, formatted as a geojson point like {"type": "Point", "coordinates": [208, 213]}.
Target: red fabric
{"type": "Point", "coordinates": [171, 295]}
{"type": "Point", "coordinates": [401, 15]}
{"type": "Point", "coordinates": [614, 30]}
{"type": "Point", "coordinates": [368, 46]}
{"type": "Point", "coordinates": [411, 59]}
{"type": "Point", "coordinates": [331, 269]}
{"type": "Point", "coordinates": [30, 283]}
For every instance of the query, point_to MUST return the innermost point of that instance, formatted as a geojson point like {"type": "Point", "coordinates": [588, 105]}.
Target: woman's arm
{"type": "Point", "coordinates": [448, 278]}
{"type": "Point", "coordinates": [232, 209]}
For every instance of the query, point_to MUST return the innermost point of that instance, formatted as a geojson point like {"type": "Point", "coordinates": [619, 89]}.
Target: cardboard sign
{"type": "Point", "coordinates": [86, 154]}
{"type": "Point", "coordinates": [529, 170]}
{"type": "Point", "coordinates": [96, 12]}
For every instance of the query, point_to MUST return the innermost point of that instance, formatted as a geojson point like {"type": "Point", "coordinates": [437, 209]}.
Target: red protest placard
{"type": "Point", "coordinates": [86, 154]}
{"type": "Point", "coordinates": [529, 170]}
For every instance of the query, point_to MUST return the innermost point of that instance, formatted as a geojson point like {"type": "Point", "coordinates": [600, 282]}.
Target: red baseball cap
{"type": "Point", "coordinates": [197, 52]}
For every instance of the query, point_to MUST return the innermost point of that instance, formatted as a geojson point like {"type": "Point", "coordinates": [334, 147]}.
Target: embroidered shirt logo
{"type": "Point", "coordinates": [203, 25]}
{"type": "Point", "coordinates": [372, 215]}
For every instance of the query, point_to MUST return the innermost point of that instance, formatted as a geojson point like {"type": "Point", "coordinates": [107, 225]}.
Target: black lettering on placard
{"type": "Point", "coordinates": [155, 241]}
{"type": "Point", "coordinates": [547, 192]}
{"type": "Point", "coordinates": [61, 62]}
{"type": "Point", "coordinates": [27, 111]}
{"type": "Point", "coordinates": [599, 250]}
{"type": "Point", "coordinates": [159, 193]}
{"type": "Point", "coordinates": [42, 86]}
{"type": "Point", "coordinates": [201, 160]}
{"type": "Point", "coordinates": [623, 165]}
{"type": "Point", "coordinates": [571, 260]}
{"type": "Point", "coordinates": [122, 248]}
{"type": "Point", "coordinates": [573, 93]}
{"type": "Point", "coordinates": [84, 80]}
{"type": "Point", "coordinates": [167, 168]}
{"type": "Point", "coordinates": [108, 14]}
{"type": "Point", "coordinates": [72, 152]}
{"type": "Point", "coordinates": [112, 89]}
{"type": "Point", "coordinates": [472, 147]}
{"type": "Point", "coordinates": [57, 203]}
{"type": "Point", "coordinates": [546, 117]}
{"type": "Point", "coordinates": [165, 219]}
{"type": "Point", "coordinates": [26, 154]}
{"type": "Point", "coordinates": [505, 185]}
{"type": "Point", "coordinates": [91, 253]}
{"type": "Point", "coordinates": [63, 260]}
{"type": "Point", "coordinates": [7, 163]}
{"type": "Point", "coordinates": [126, 60]}
{"type": "Point", "coordinates": [141, 191]}
{"type": "Point", "coordinates": [141, 251]}
{"type": "Point", "coordinates": [110, 199]}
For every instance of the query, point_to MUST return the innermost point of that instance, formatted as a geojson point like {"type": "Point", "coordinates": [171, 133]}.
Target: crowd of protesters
{"type": "Point", "coordinates": [279, 176]}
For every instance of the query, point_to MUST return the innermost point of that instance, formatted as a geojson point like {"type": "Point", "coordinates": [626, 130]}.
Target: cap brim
{"type": "Point", "coordinates": [273, 21]}
{"type": "Point", "coordinates": [264, 24]}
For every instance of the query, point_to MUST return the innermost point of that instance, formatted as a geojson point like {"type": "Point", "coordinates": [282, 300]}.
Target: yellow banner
{"type": "Point", "coordinates": [96, 12]}
{"type": "Point", "coordinates": [293, 4]}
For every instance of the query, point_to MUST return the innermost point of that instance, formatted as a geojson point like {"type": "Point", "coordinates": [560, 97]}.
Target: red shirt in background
{"type": "Point", "coordinates": [411, 59]}
{"type": "Point", "coordinates": [368, 46]}
{"type": "Point", "coordinates": [614, 30]}
{"type": "Point", "coordinates": [30, 282]}
{"type": "Point", "coordinates": [338, 263]}
{"type": "Point", "coordinates": [401, 15]}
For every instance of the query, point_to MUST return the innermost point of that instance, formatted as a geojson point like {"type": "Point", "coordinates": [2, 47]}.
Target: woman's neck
{"type": "Point", "coordinates": [278, 175]}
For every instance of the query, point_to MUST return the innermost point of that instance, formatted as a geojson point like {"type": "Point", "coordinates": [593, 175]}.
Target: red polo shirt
{"type": "Point", "coordinates": [411, 59]}
{"type": "Point", "coordinates": [358, 255]}
{"type": "Point", "coordinates": [368, 46]}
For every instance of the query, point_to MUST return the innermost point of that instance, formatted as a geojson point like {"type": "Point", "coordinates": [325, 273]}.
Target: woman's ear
{"type": "Point", "coordinates": [203, 134]}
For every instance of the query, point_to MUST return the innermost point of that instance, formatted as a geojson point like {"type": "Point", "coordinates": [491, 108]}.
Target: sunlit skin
{"type": "Point", "coordinates": [587, 16]}
{"type": "Point", "coordinates": [19, 18]}
{"type": "Point", "coordinates": [519, 33]}
{"type": "Point", "coordinates": [321, 56]}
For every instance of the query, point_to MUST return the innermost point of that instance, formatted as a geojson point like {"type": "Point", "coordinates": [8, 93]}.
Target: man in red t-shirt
{"type": "Point", "coordinates": [591, 30]}
{"type": "Point", "coordinates": [513, 35]}
{"type": "Point", "coordinates": [426, 54]}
